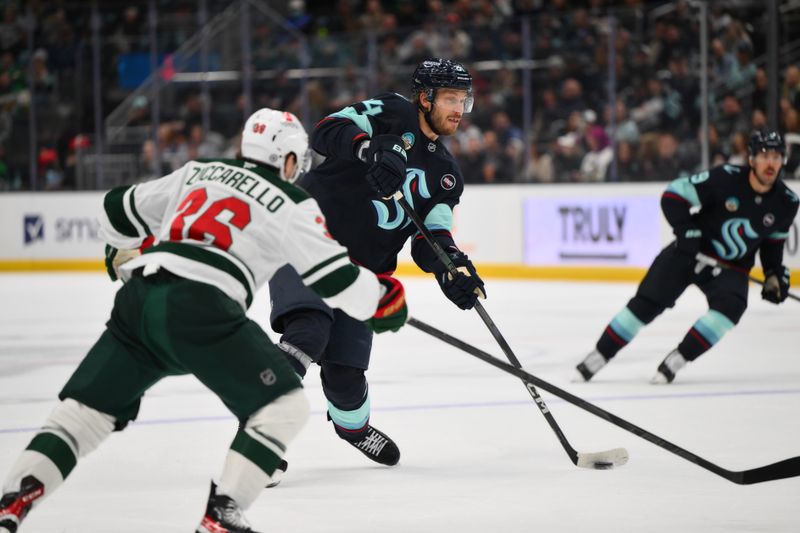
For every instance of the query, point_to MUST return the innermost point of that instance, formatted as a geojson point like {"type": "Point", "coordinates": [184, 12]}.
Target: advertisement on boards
{"type": "Point", "coordinates": [611, 231]}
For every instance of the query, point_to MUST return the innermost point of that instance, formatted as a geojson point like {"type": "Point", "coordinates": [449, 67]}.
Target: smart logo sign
{"type": "Point", "coordinates": [68, 230]}
{"type": "Point", "coordinates": [592, 231]}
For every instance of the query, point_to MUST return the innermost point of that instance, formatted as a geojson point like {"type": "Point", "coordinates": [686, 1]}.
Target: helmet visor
{"type": "Point", "coordinates": [455, 100]}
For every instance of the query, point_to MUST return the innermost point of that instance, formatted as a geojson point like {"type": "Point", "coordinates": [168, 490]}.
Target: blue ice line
{"type": "Point", "coordinates": [189, 420]}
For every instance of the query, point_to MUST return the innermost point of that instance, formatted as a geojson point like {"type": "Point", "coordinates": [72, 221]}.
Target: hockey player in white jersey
{"type": "Point", "coordinates": [221, 229]}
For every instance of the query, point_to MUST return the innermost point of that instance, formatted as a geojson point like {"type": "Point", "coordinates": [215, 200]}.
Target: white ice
{"type": "Point", "coordinates": [477, 456]}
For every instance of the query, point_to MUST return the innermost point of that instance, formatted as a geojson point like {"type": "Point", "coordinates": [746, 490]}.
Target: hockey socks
{"type": "Point", "coordinates": [619, 332]}
{"type": "Point", "coordinates": [704, 334]}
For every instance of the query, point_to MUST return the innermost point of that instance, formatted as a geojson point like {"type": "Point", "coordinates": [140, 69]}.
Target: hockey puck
{"type": "Point", "coordinates": [603, 465]}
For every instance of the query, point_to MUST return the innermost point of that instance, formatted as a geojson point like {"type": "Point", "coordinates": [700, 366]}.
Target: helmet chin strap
{"type": "Point", "coordinates": [427, 115]}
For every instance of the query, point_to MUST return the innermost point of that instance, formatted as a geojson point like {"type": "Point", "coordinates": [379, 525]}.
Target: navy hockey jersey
{"type": "Point", "coordinates": [374, 230]}
{"type": "Point", "coordinates": [736, 221]}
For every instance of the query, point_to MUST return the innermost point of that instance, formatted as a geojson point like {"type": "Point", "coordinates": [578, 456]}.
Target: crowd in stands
{"type": "Point", "coordinates": [649, 131]}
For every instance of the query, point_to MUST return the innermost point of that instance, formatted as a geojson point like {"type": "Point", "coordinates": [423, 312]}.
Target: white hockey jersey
{"type": "Point", "coordinates": [232, 224]}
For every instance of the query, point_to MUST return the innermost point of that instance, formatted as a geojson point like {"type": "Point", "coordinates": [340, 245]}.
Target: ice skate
{"type": "Point", "coordinates": [223, 515]}
{"type": "Point", "coordinates": [14, 506]}
{"type": "Point", "coordinates": [590, 366]}
{"type": "Point", "coordinates": [668, 368]}
{"type": "Point", "coordinates": [378, 446]}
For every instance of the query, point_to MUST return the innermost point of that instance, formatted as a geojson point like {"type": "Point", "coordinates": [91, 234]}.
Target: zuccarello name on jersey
{"type": "Point", "coordinates": [247, 183]}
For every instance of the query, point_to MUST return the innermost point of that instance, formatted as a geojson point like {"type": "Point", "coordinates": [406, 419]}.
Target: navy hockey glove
{"type": "Point", "coordinates": [392, 311]}
{"type": "Point", "coordinates": [688, 239]}
{"type": "Point", "coordinates": [465, 288]}
{"type": "Point", "coordinates": [776, 285]}
{"type": "Point", "coordinates": [387, 163]}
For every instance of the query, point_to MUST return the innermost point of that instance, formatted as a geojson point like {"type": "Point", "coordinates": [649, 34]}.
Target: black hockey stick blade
{"type": "Point", "coordinates": [787, 468]}
{"type": "Point", "coordinates": [604, 460]}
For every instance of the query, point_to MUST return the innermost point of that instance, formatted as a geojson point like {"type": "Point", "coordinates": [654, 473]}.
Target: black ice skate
{"type": "Point", "coordinates": [15, 505]}
{"type": "Point", "coordinates": [375, 445]}
{"type": "Point", "coordinates": [223, 515]}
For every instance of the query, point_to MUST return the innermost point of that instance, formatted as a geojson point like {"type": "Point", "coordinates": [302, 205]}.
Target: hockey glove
{"type": "Point", "coordinates": [392, 310]}
{"type": "Point", "coordinates": [687, 239]}
{"type": "Point", "coordinates": [776, 285]}
{"type": "Point", "coordinates": [466, 287]}
{"type": "Point", "coordinates": [387, 163]}
{"type": "Point", "coordinates": [115, 258]}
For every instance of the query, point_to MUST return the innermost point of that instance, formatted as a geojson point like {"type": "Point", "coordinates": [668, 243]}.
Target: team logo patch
{"type": "Point", "coordinates": [431, 147]}
{"type": "Point", "coordinates": [408, 140]}
{"type": "Point", "coordinates": [768, 220]}
{"type": "Point", "coordinates": [732, 204]}
{"type": "Point", "coordinates": [448, 182]}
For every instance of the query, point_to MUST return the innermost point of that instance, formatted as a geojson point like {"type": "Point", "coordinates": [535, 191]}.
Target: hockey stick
{"type": "Point", "coordinates": [780, 470]}
{"type": "Point", "coordinates": [713, 263]}
{"type": "Point", "coordinates": [597, 460]}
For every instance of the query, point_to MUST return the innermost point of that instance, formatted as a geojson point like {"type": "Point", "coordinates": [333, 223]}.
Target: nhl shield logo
{"type": "Point", "coordinates": [448, 182]}
{"type": "Point", "coordinates": [768, 220]}
{"type": "Point", "coordinates": [732, 204]}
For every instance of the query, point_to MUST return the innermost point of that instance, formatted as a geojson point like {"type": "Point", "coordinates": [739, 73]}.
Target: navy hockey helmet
{"type": "Point", "coordinates": [437, 73]}
{"type": "Point", "coordinates": [762, 141]}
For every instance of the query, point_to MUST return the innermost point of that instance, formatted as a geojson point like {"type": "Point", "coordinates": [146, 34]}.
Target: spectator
{"type": "Point", "coordinates": [664, 166]}
{"type": "Point", "coordinates": [599, 155]}
{"type": "Point", "coordinates": [540, 166]}
{"type": "Point", "coordinates": [628, 167]}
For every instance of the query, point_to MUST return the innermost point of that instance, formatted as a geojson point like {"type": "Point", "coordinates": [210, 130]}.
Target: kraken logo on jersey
{"type": "Point", "coordinates": [734, 231]}
{"type": "Point", "coordinates": [400, 219]}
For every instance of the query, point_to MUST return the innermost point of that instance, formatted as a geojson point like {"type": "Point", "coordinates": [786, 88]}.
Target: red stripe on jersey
{"type": "Point", "coordinates": [318, 124]}
{"type": "Point", "coordinates": [673, 196]}
{"type": "Point", "coordinates": [359, 137]}
{"type": "Point", "coordinates": [441, 232]}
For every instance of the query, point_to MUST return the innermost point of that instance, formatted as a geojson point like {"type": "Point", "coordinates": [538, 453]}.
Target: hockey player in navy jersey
{"type": "Point", "coordinates": [373, 149]}
{"type": "Point", "coordinates": [727, 213]}
{"type": "Point", "coordinates": [223, 227]}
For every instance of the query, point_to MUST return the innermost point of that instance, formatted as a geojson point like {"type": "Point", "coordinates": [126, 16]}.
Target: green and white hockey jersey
{"type": "Point", "coordinates": [232, 224]}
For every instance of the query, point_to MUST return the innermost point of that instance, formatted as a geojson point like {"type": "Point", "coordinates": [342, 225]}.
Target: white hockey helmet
{"type": "Point", "coordinates": [270, 135]}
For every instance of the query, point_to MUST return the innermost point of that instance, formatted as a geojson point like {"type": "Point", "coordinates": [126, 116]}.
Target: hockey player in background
{"type": "Point", "coordinates": [223, 227]}
{"type": "Point", "coordinates": [728, 213]}
{"type": "Point", "coordinates": [373, 149]}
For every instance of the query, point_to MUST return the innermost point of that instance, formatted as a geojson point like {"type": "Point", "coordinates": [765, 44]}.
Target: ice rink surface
{"type": "Point", "coordinates": [477, 456]}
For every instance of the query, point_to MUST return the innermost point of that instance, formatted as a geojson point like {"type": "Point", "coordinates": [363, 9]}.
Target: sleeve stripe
{"type": "Point", "coordinates": [335, 282]}
{"type": "Point", "coordinates": [322, 265]}
{"type": "Point", "coordinates": [440, 218]}
{"type": "Point", "coordinates": [685, 189]}
{"type": "Point", "coordinates": [135, 212]}
{"type": "Point", "coordinates": [114, 206]}
{"type": "Point", "coordinates": [778, 236]}
{"type": "Point", "coordinates": [673, 196]}
{"type": "Point", "coordinates": [349, 113]}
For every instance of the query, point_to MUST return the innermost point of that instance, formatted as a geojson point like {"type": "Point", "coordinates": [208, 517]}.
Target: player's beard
{"type": "Point", "coordinates": [441, 120]}
{"type": "Point", "coordinates": [767, 180]}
